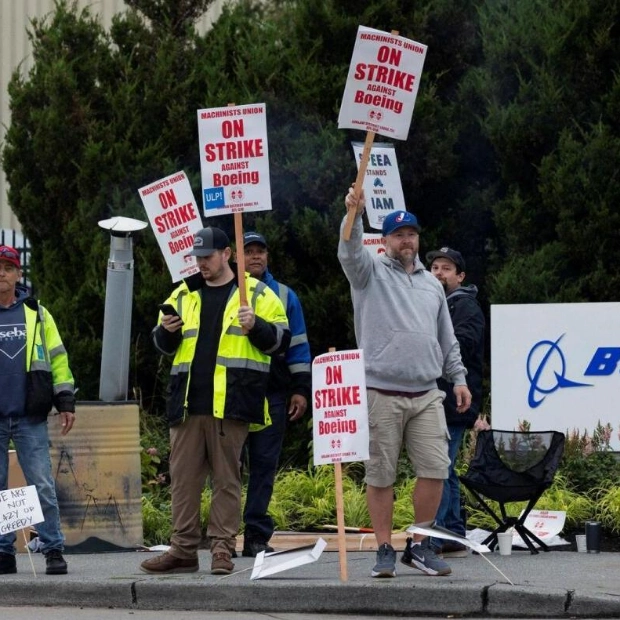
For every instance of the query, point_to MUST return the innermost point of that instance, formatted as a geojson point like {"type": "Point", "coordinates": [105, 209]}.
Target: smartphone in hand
{"type": "Point", "coordinates": [168, 309]}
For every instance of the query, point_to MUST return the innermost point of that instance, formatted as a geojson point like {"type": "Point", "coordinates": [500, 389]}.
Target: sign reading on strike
{"type": "Point", "coordinates": [382, 84]}
{"type": "Point", "coordinates": [19, 508]}
{"type": "Point", "coordinates": [340, 417]}
{"type": "Point", "coordinates": [382, 187]}
{"type": "Point", "coordinates": [234, 159]}
{"type": "Point", "coordinates": [174, 218]}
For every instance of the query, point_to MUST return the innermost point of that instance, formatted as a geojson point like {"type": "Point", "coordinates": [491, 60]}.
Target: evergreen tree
{"type": "Point", "coordinates": [549, 83]}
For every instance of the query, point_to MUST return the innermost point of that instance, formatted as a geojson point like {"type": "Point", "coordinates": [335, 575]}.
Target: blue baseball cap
{"type": "Point", "coordinates": [398, 219]}
{"type": "Point", "coordinates": [254, 237]}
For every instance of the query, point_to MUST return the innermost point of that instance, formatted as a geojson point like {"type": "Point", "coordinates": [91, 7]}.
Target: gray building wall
{"type": "Point", "coordinates": [16, 52]}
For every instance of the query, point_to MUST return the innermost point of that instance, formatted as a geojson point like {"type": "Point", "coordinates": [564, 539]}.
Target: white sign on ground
{"type": "Point", "coordinates": [271, 563]}
{"type": "Point", "coordinates": [340, 414]}
{"type": "Point", "coordinates": [382, 84]}
{"type": "Point", "coordinates": [174, 217]}
{"type": "Point", "coordinates": [546, 524]}
{"type": "Point", "coordinates": [382, 186]}
{"type": "Point", "coordinates": [234, 159]}
{"type": "Point", "coordinates": [19, 508]}
{"type": "Point", "coordinates": [556, 366]}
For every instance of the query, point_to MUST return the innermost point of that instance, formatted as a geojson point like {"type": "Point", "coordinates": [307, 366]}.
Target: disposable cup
{"type": "Point", "coordinates": [580, 539]}
{"type": "Point", "coordinates": [504, 540]}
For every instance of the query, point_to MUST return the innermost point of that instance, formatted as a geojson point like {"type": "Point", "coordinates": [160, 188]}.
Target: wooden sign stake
{"type": "Point", "coordinates": [342, 541]}
{"type": "Point", "coordinates": [243, 297]}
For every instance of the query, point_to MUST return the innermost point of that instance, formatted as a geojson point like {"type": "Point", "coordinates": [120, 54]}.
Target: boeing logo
{"type": "Point", "coordinates": [553, 362]}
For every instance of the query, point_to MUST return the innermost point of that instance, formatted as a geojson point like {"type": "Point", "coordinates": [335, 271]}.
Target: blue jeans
{"type": "Point", "coordinates": [263, 449]}
{"type": "Point", "coordinates": [32, 446]}
{"type": "Point", "coordinates": [449, 511]}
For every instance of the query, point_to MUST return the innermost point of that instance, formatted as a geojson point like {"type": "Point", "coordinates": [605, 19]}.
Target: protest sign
{"type": "Point", "coordinates": [340, 411]}
{"type": "Point", "coordinates": [374, 243]}
{"type": "Point", "coordinates": [19, 508]}
{"type": "Point", "coordinates": [382, 84]}
{"type": "Point", "coordinates": [381, 183]}
{"type": "Point", "coordinates": [271, 563]}
{"type": "Point", "coordinates": [234, 159]}
{"type": "Point", "coordinates": [544, 524]}
{"type": "Point", "coordinates": [174, 218]}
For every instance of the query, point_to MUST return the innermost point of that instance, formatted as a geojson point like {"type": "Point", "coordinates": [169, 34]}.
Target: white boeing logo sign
{"type": "Point", "coordinates": [556, 366]}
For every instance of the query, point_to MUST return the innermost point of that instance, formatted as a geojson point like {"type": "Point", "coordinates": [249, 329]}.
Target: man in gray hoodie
{"type": "Point", "coordinates": [403, 325]}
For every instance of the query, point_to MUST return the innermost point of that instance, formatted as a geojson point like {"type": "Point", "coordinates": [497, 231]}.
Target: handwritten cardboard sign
{"type": "Point", "coordinates": [174, 218]}
{"type": "Point", "coordinates": [340, 411]}
{"type": "Point", "coordinates": [234, 159]}
{"type": "Point", "coordinates": [19, 508]}
{"type": "Point", "coordinates": [382, 84]}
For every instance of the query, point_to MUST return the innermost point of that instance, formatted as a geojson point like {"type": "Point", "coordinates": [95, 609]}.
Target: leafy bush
{"type": "Point", "coordinates": [607, 502]}
{"type": "Point", "coordinates": [156, 519]}
{"type": "Point", "coordinates": [588, 462]}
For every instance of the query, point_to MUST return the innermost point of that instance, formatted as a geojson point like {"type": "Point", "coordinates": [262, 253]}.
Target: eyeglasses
{"type": "Point", "coordinates": [9, 254]}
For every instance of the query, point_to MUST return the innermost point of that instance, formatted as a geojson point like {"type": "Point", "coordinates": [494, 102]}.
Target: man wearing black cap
{"type": "Point", "coordinates": [290, 383]}
{"type": "Point", "coordinates": [448, 266]}
{"type": "Point", "coordinates": [402, 323]}
{"type": "Point", "coordinates": [218, 380]}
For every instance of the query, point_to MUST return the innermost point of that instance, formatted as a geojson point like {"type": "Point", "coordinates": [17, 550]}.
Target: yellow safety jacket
{"type": "Point", "coordinates": [49, 378]}
{"type": "Point", "coordinates": [241, 368]}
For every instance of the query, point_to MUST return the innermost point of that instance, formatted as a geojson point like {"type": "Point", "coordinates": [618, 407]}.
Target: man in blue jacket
{"type": "Point", "coordinates": [448, 266]}
{"type": "Point", "coordinates": [288, 392]}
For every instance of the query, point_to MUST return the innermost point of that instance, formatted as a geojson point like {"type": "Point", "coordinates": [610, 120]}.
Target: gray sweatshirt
{"type": "Point", "coordinates": [401, 320]}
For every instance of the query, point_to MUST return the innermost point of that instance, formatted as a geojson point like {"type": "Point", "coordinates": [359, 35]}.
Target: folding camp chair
{"type": "Point", "coordinates": [513, 466]}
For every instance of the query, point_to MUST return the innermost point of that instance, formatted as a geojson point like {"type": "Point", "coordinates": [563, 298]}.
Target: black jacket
{"type": "Point", "coordinates": [469, 325]}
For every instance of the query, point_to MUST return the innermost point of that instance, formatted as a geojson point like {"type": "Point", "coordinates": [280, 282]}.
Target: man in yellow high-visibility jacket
{"type": "Point", "coordinates": [34, 377]}
{"type": "Point", "coordinates": [222, 354]}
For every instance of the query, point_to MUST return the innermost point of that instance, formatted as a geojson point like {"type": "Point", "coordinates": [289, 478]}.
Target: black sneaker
{"type": "Point", "coordinates": [251, 548]}
{"type": "Point", "coordinates": [55, 563]}
{"type": "Point", "coordinates": [423, 557]}
{"type": "Point", "coordinates": [386, 562]}
{"type": "Point", "coordinates": [7, 564]}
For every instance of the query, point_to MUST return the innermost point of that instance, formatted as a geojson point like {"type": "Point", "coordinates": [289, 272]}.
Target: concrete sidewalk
{"type": "Point", "coordinates": [556, 584]}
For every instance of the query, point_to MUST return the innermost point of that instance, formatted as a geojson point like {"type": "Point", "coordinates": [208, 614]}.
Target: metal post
{"type": "Point", "coordinates": [114, 377]}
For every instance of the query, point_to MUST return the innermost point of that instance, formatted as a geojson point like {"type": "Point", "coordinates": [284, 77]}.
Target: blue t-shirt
{"type": "Point", "coordinates": [13, 360]}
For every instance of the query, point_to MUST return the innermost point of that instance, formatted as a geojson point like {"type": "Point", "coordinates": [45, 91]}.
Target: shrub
{"type": "Point", "coordinates": [588, 462]}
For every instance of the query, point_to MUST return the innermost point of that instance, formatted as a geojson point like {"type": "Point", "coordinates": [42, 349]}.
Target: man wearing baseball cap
{"type": "Point", "coordinates": [448, 266]}
{"type": "Point", "coordinates": [218, 380]}
{"type": "Point", "coordinates": [403, 325]}
{"type": "Point", "coordinates": [34, 377]}
{"type": "Point", "coordinates": [288, 393]}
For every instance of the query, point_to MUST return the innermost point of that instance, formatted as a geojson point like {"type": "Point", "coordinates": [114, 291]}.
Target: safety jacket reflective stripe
{"type": "Point", "coordinates": [241, 369]}
{"type": "Point", "coordinates": [47, 364]}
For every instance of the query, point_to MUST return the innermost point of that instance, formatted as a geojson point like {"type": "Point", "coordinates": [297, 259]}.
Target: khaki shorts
{"type": "Point", "coordinates": [420, 423]}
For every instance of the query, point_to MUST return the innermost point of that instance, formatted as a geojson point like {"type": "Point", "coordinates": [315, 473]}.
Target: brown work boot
{"type": "Point", "coordinates": [221, 564]}
{"type": "Point", "coordinates": [166, 564]}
